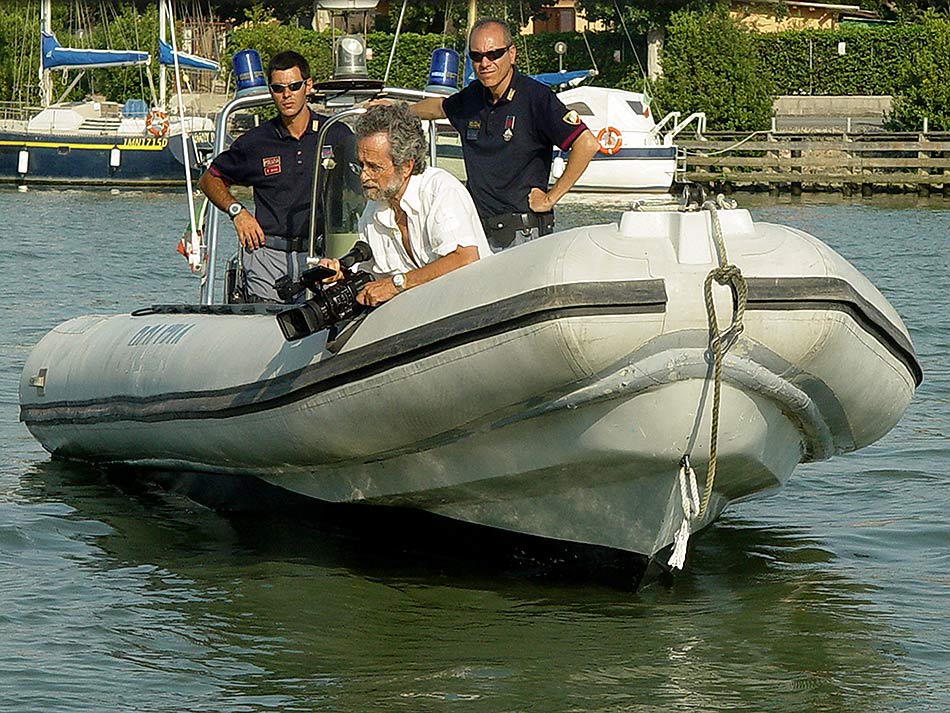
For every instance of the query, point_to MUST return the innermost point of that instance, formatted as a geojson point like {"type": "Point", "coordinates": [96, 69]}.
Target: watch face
{"type": "Point", "coordinates": [399, 279]}
{"type": "Point", "coordinates": [234, 209]}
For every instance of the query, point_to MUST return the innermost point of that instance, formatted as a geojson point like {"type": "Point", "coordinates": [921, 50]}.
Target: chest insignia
{"type": "Point", "coordinates": [572, 118]}
{"type": "Point", "coordinates": [509, 127]}
{"type": "Point", "coordinates": [271, 165]}
{"type": "Point", "coordinates": [471, 132]}
{"type": "Point", "coordinates": [326, 156]}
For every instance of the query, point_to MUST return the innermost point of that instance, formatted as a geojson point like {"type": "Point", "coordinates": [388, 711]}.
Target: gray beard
{"type": "Point", "coordinates": [384, 193]}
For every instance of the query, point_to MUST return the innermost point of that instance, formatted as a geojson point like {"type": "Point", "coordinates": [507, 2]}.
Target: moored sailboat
{"type": "Point", "coordinates": [98, 143]}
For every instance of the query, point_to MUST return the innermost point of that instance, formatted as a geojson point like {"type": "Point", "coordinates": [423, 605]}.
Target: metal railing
{"type": "Point", "coordinates": [697, 118]}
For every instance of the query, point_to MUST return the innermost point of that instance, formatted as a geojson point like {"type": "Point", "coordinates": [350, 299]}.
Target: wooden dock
{"type": "Point", "coordinates": [861, 163]}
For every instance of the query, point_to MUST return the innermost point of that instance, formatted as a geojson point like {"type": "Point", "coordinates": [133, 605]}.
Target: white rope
{"type": "Point", "coordinates": [689, 499]}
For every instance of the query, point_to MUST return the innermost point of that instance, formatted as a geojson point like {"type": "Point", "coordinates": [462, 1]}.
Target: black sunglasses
{"type": "Point", "coordinates": [293, 86]}
{"type": "Point", "coordinates": [493, 55]}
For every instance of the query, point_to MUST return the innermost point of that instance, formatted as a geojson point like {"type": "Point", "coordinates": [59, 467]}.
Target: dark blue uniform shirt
{"type": "Point", "coordinates": [279, 167]}
{"type": "Point", "coordinates": [508, 146]}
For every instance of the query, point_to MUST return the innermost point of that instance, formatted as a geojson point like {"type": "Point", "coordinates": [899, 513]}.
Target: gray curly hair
{"type": "Point", "coordinates": [406, 139]}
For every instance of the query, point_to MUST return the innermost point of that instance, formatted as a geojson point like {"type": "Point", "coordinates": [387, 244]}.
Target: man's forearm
{"type": "Point", "coordinates": [582, 151]}
{"type": "Point", "coordinates": [375, 293]}
{"type": "Point", "coordinates": [216, 190]}
{"type": "Point", "coordinates": [428, 109]}
{"type": "Point", "coordinates": [454, 260]}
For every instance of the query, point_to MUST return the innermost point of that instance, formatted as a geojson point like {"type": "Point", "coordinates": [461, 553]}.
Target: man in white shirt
{"type": "Point", "coordinates": [420, 222]}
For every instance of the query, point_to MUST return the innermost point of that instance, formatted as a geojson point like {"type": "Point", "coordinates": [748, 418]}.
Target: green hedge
{"type": "Point", "coordinates": [808, 62]}
{"type": "Point", "coordinates": [924, 80]}
{"type": "Point", "coordinates": [710, 64]}
{"type": "Point", "coordinates": [910, 62]}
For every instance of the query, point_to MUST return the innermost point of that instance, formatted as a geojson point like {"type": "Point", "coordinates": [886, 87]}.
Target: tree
{"type": "Point", "coordinates": [640, 17]}
{"type": "Point", "coordinates": [925, 78]}
{"type": "Point", "coordinates": [710, 64]}
{"type": "Point", "coordinates": [429, 16]}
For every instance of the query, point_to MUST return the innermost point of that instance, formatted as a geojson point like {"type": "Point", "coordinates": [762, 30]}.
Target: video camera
{"type": "Point", "coordinates": [331, 303]}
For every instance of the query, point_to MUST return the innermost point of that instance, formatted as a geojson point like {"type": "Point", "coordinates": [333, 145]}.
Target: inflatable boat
{"type": "Point", "coordinates": [591, 387]}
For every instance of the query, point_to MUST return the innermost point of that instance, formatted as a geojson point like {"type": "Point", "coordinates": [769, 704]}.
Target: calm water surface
{"type": "Point", "coordinates": [830, 595]}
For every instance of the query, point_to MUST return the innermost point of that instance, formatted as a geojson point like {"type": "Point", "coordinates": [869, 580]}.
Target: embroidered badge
{"type": "Point", "coordinates": [572, 118]}
{"type": "Point", "coordinates": [271, 165]}
{"type": "Point", "coordinates": [509, 127]}
{"type": "Point", "coordinates": [510, 95]}
{"type": "Point", "coordinates": [471, 133]}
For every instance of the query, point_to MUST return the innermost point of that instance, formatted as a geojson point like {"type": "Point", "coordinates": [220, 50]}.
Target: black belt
{"type": "Point", "coordinates": [511, 221]}
{"type": "Point", "coordinates": [501, 229]}
{"type": "Point", "coordinates": [287, 245]}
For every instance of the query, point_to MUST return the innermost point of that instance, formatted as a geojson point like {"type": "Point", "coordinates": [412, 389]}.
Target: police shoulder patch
{"type": "Point", "coordinates": [572, 118]}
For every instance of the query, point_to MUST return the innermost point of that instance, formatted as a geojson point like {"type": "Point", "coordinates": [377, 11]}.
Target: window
{"type": "Point", "coordinates": [581, 108]}
{"type": "Point", "coordinates": [636, 106]}
{"type": "Point", "coordinates": [554, 19]}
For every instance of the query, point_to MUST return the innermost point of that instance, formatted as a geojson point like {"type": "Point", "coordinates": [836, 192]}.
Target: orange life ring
{"type": "Point", "coordinates": [156, 122]}
{"type": "Point", "coordinates": [610, 140]}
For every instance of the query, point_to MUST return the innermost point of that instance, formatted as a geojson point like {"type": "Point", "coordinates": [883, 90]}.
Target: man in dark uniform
{"type": "Point", "coordinates": [509, 125]}
{"type": "Point", "coordinates": [277, 160]}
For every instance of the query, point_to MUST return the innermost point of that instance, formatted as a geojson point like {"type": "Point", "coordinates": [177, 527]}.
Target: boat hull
{"type": "Point", "coordinates": [550, 390]}
{"type": "Point", "coordinates": [643, 169]}
{"type": "Point", "coordinates": [92, 160]}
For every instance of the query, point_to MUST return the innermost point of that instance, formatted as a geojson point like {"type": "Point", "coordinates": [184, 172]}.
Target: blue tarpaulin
{"type": "Point", "coordinates": [55, 56]}
{"type": "Point", "coordinates": [551, 79]}
{"type": "Point", "coordinates": [185, 60]}
{"type": "Point", "coordinates": [556, 79]}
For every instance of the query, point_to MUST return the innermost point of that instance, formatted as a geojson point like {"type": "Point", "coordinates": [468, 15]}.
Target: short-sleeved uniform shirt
{"type": "Point", "coordinates": [279, 167]}
{"type": "Point", "coordinates": [508, 146]}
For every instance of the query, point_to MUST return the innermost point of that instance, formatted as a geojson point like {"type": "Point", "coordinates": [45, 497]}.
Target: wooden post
{"type": "Point", "coordinates": [923, 189]}
{"type": "Point", "coordinates": [796, 187]}
{"type": "Point", "coordinates": [774, 189]}
{"type": "Point", "coordinates": [847, 187]}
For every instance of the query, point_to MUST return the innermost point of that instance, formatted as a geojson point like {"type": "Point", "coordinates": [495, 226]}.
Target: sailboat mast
{"type": "Point", "coordinates": [162, 79]}
{"type": "Point", "coordinates": [46, 82]}
{"type": "Point", "coordinates": [472, 15]}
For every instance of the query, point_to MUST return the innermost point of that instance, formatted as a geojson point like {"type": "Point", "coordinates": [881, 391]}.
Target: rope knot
{"type": "Point", "coordinates": [727, 274]}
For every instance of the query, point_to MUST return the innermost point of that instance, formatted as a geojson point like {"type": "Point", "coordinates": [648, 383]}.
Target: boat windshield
{"type": "Point", "coordinates": [340, 192]}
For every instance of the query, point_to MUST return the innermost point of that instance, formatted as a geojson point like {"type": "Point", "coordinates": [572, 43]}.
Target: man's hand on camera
{"type": "Point", "coordinates": [333, 264]}
{"type": "Point", "coordinates": [249, 230]}
{"type": "Point", "coordinates": [375, 293]}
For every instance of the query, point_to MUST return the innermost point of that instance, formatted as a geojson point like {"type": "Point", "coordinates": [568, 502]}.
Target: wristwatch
{"type": "Point", "coordinates": [399, 281]}
{"type": "Point", "coordinates": [234, 209]}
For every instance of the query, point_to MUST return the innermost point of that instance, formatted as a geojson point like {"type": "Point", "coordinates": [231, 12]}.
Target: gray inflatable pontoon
{"type": "Point", "coordinates": [551, 389]}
